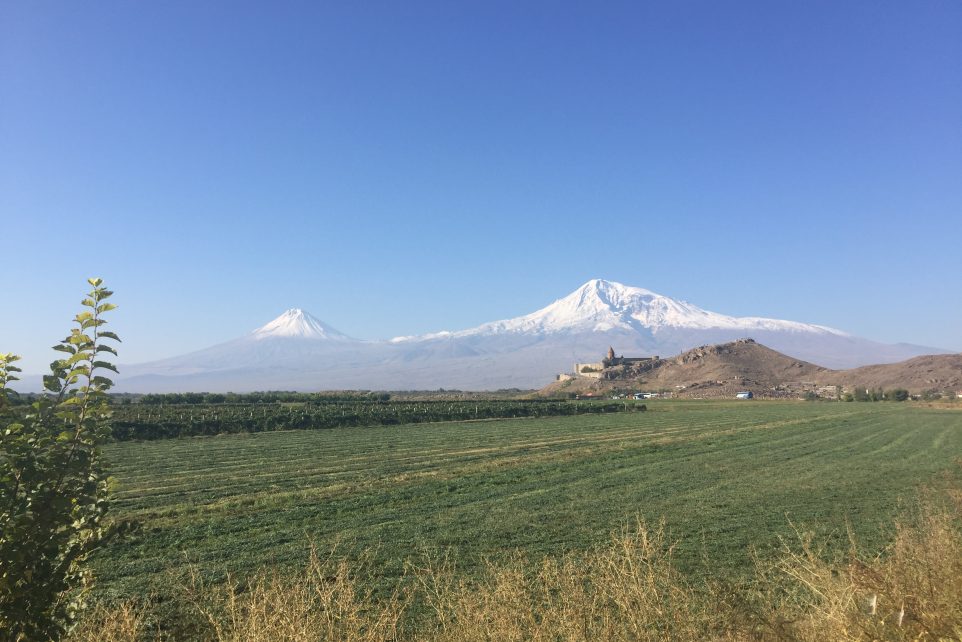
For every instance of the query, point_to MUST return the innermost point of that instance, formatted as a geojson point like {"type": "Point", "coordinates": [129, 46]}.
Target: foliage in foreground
{"type": "Point", "coordinates": [52, 487]}
{"type": "Point", "coordinates": [627, 590]}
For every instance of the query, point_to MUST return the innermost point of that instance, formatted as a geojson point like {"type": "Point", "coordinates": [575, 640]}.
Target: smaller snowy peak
{"type": "Point", "coordinates": [297, 324]}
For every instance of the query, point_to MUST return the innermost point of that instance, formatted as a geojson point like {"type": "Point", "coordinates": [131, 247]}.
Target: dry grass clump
{"type": "Point", "coordinates": [628, 590]}
{"type": "Point", "coordinates": [913, 591]}
{"type": "Point", "coordinates": [324, 602]}
{"type": "Point", "coordinates": [126, 622]}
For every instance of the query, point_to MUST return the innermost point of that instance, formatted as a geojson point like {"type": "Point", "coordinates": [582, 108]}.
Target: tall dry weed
{"type": "Point", "coordinates": [912, 591]}
{"type": "Point", "coordinates": [125, 622]}
{"type": "Point", "coordinates": [627, 590]}
{"type": "Point", "coordinates": [327, 601]}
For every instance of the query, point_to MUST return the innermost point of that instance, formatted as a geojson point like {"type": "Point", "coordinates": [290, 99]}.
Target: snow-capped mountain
{"type": "Point", "coordinates": [293, 341]}
{"type": "Point", "coordinates": [295, 323]}
{"type": "Point", "coordinates": [296, 351]}
{"type": "Point", "coordinates": [603, 306]}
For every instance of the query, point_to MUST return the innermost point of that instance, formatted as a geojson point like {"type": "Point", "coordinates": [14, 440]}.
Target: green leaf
{"type": "Point", "coordinates": [105, 307]}
{"type": "Point", "coordinates": [52, 383]}
{"type": "Point", "coordinates": [102, 381]}
{"type": "Point", "coordinates": [110, 335]}
{"type": "Point", "coordinates": [95, 281]}
{"type": "Point", "coordinates": [65, 347]}
{"type": "Point", "coordinates": [76, 358]}
{"type": "Point", "coordinates": [103, 348]}
{"type": "Point", "coordinates": [79, 371]}
{"type": "Point", "coordinates": [105, 364]}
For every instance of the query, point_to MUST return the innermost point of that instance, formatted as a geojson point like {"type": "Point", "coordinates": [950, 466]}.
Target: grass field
{"type": "Point", "coordinates": [725, 476]}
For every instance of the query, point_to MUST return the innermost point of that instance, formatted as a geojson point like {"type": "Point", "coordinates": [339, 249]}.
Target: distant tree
{"type": "Point", "coordinates": [861, 394]}
{"type": "Point", "coordinates": [898, 394]}
{"type": "Point", "coordinates": [52, 487]}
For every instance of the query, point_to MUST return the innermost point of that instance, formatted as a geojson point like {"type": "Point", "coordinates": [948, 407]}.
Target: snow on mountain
{"type": "Point", "coordinates": [604, 306]}
{"type": "Point", "coordinates": [295, 323]}
{"type": "Point", "coordinates": [294, 340]}
{"type": "Point", "coordinates": [295, 351]}
{"type": "Point", "coordinates": [443, 334]}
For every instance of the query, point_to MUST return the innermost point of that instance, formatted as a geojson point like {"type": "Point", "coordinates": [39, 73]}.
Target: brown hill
{"type": "Point", "coordinates": [713, 370]}
{"type": "Point", "coordinates": [940, 372]}
{"type": "Point", "coordinates": [724, 369]}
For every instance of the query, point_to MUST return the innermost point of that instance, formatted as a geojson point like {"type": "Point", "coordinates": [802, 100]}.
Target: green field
{"type": "Point", "coordinates": [725, 475]}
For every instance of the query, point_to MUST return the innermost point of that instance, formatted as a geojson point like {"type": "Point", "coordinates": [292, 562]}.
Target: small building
{"type": "Point", "coordinates": [590, 370]}
{"type": "Point", "coordinates": [611, 360]}
{"type": "Point", "coordinates": [827, 392]}
{"type": "Point", "coordinates": [746, 394]}
{"type": "Point", "coordinates": [597, 369]}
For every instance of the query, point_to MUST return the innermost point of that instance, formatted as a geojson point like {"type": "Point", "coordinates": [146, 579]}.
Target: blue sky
{"type": "Point", "coordinates": [400, 168]}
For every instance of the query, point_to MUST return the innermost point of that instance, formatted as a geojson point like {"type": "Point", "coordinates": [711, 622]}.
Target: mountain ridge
{"type": "Point", "coordinates": [300, 352]}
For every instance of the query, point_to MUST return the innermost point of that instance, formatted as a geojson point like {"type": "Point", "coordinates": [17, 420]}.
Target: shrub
{"type": "Point", "coordinates": [899, 394]}
{"type": "Point", "coordinates": [52, 487]}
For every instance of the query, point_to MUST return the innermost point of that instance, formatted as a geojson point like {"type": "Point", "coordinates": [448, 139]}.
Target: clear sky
{"type": "Point", "coordinates": [406, 167]}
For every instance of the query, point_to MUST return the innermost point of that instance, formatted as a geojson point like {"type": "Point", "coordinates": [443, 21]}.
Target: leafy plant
{"type": "Point", "coordinates": [52, 485]}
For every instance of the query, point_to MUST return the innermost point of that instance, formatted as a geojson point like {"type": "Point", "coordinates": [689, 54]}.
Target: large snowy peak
{"type": "Point", "coordinates": [597, 306]}
{"type": "Point", "coordinates": [604, 306]}
{"type": "Point", "coordinates": [298, 324]}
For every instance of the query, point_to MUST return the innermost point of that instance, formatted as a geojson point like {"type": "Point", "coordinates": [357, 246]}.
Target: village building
{"type": "Point", "coordinates": [611, 360]}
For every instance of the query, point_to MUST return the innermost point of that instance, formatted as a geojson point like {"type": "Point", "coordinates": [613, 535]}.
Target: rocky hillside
{"type": "Point", "coordinates": [724, 369]}
{"type": "Point", "coordinates": [933, 372]}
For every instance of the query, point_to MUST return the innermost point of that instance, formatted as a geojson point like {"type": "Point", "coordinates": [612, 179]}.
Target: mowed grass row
{"type": "Point", "coordinates": [725, 476]}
